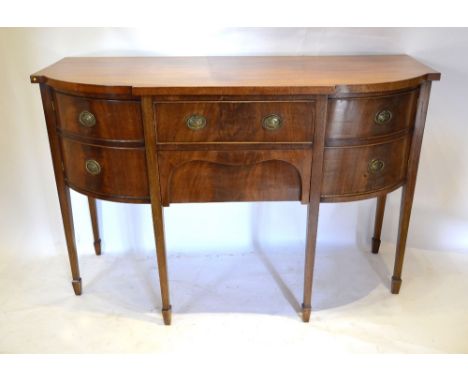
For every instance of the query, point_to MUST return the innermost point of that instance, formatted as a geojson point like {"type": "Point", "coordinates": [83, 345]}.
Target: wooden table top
{"type": "Point", "coordinates": [236, 74]}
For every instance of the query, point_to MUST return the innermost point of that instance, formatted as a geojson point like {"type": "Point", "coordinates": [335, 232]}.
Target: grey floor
{"type": "Point", "coordinates": [236, 300]}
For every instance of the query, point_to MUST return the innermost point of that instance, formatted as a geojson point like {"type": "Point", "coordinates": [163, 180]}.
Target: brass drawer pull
{"type": "Point", "coordinates": [196, 122]}
{"type": "Point", "coordinates": [272, 122]}
{"type": "Point", "coordinates": [383, 117]}
{"type": "Point", "coordinates": [376, 165]}
{"type": "Point", "coordinates": [87, 119]}
{"type": "Point", "coordinates": [93, 167]}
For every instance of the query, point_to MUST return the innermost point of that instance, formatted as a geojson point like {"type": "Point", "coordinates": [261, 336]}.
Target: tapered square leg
{"type": "Point", "coordinates": [314, 204]}
{"type": "Point", "coordinates": [95, 224]}
{"type": "Point", "coordinates": [375, 245]}
{"type": "Point", "coordinates": [67, 217]}
{"type": "Point", "coordinates": [167, 315]}
{"type": "Point", "coordinates": [306, 311]}
{"type": "Point", "coordinates": [407, 194]}
{"type": "Point", "coordinates": [156, 206]}
{"type": "Point", "coordinates": [76, 284]}
{"type": "Point", "coordinates": [158, 223]}
{"type": "Point", "coordinates": [396, 284]}
{"type": "Point", "coordinates": [63, 190]}
{"type": "Point", "coordinates": [379, 215]}
{"type": "Point", "coordinates": [312, 220]}
{"type": "Point", "coordinates": [405, 213]}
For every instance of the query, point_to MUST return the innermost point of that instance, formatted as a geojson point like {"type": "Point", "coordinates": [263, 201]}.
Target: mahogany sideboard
{"type": "Point", "coordinates": [164, 130]}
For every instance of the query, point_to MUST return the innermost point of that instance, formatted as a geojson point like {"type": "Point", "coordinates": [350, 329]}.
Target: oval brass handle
{"type": "Point", "coordinates": [272, 122]}
{"type": "Point", "coordinates": [383, 117]}
{"type": "Point", "coordinates": [87, 119]}
{"type": "Point", "coordinates": [376, 165]}
{"type": "Point", "coordinates": [93, 167]}
{"type": "Point", "coordinates": [196, 122]}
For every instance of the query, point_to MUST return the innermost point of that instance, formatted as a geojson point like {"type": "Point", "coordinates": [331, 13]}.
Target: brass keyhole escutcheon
{"type": "Point", "coordinates": [93, 167]}
{"type": "Point", "coordinates": [272, 122]}
{"type": "Point", "coordinates": [196, 122]}
{"type": "Point", "coordinates": [383, 117]}
{"type": "Point", "coordinates": [87, 119]}
{"type": "Point", "coordinates": [376, 165]}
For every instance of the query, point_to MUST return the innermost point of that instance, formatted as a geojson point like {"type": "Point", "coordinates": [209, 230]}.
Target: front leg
{"type": "Point", "coordinates": [67, 217]}
{"type": "Point", "coordinates": [410, 185]}
{"type": "Point", "coordinates": [63, 190]}
{"type": "Point", "coordinates": [156, 206]}
{"type": "Point", "coordinates": [379, 215]}
{"type": "Point", "coordinates": [405, 213]}
{"type": "Point", "coordinates": [314, 202]}
{"type": "Point", "coordinates": [311, 241]}
{"type": "Point", "coordinates": [95, 224]}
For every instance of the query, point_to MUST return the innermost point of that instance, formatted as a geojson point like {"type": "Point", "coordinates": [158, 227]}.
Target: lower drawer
{"type": "Point", "coordinates": [222, 176]}
{"type": "Point", "coordinates": [355, 170]}
{"type": "Point", "coordinates": [108, 173]}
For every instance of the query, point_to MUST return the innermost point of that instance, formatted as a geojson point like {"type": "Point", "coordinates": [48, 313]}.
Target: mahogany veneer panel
{"type": "Point", "coordinates": [123, 171]}
{"type": "Point", "coordinates": [355, 117]}
{"type": "Point", "coordinates": [220, 176]}
{"type": "Point", "coordinates": [235, 121]}
{"type": "Point", "coordinates": [115, 120]}
{"type": "Point", "coordinates": [346, 169]}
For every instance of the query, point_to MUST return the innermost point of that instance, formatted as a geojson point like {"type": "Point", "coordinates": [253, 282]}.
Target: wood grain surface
{"type": "Point", "coordinates": [355, 117]}
{"type": "Point", "coordinates": [220, 176]}
{"type": "Point", "coordinates": [346, 169]}
{"type": "Point", "coordinates": [235, 75]}
{"type": "Point", "coordinates": [115, 120]}
{"type": "Point", "coordinates": [235, 121]}
{"type": "Point", "coordinates": [123, 175]}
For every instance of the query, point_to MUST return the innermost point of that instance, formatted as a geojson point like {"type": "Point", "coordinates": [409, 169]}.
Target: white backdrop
{"type": "Point", "coordinates": [30, 223]}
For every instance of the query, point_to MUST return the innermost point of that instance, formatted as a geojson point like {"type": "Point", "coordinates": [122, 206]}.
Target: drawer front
{"type": "Point", "coordinates": [351, 118]}
{"type": "Point", "coordinates": [115, 173]}
{"type": "Point", "coordinates": [275, 121]}
{"type": "Point", "coordinates": [364, 169]}
{"type": "Point", "coordinates": [228, 176]}
{"type": "Point", "coordinates": [99, 119]}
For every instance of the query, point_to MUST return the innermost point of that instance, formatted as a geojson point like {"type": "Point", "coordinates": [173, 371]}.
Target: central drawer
{"type": "Point", "coordinates": [235, 121]}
